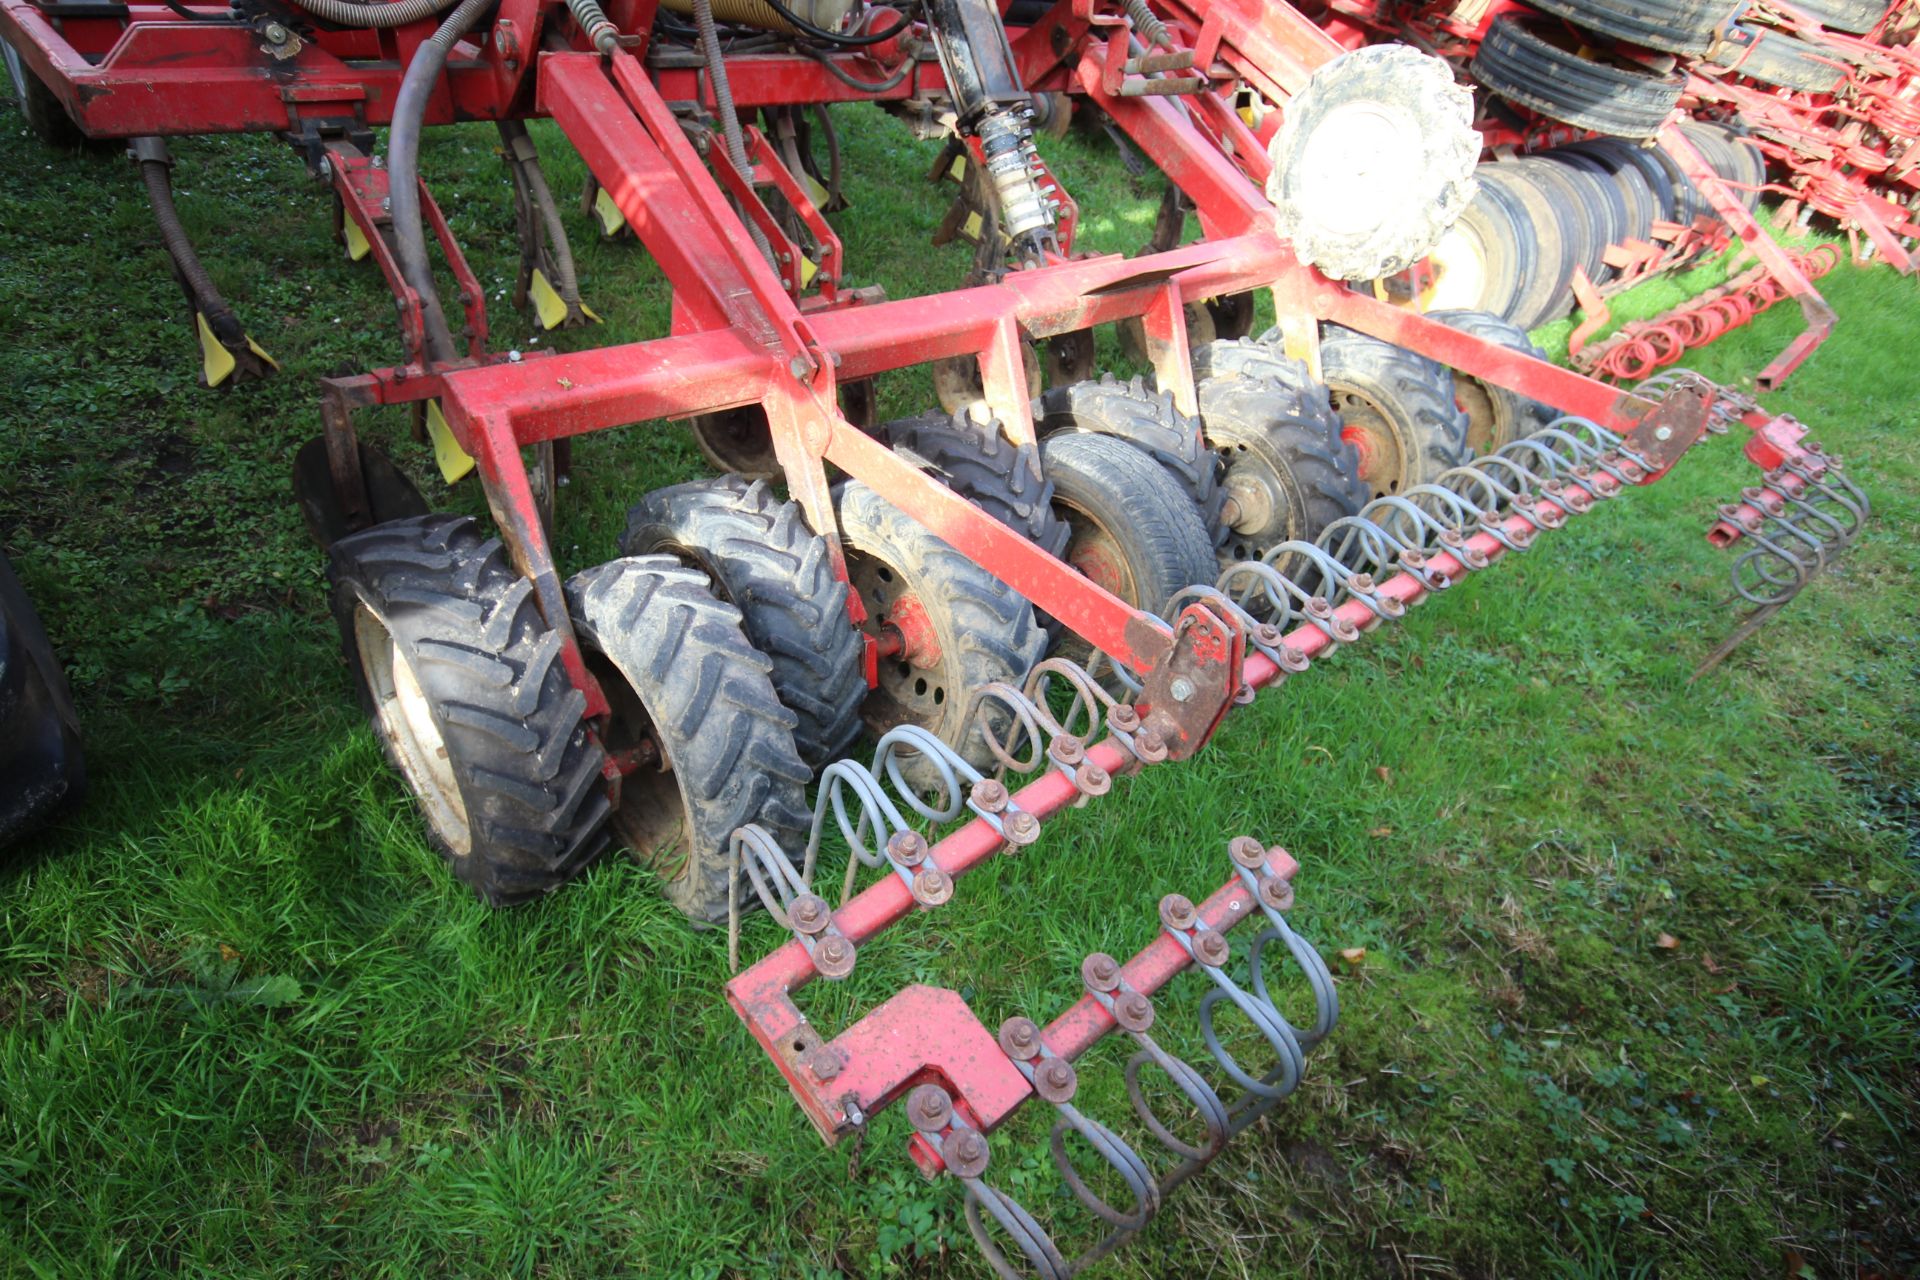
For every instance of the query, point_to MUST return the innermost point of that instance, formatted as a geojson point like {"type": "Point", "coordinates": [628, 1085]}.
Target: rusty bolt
{"type": "Point", "coordinates": [1067, 749]}
{"type": "Point", "coordinates": [1054, 1080]}
{"type": "Point", "coordinates": [929, 1108]}
{"type": "Point", "coordinates": [827, 1062]}
{"type": "Point", "coordinates": [1247, 852]}
{"type": "Point", "coordinates": [1319, 608]}
{"type": "Point", "coordinates": [1292, 660]}
{"type": "Point", "coordinates": [1243, 695]}
{"type": "Point", "coordinates": [1276, 893]}
{"type": "Point", "coordinates": [1181, 689]}
{"type": "Point", "coordinates": [1022, 828]}
{"type": "Point", "coordinates": [1267, 634]}
{"type": "Point", "coordinates": [800, 367]}
{"type": "Point", "coordinates": [1210, 948]}
{"type": "Point", "coordinates": [809, 913]}
{"type": "Point", "coordinates": [1093, 780]}
{"type": "Point", "coordinates": [1150, 744]}
{"type": "Point", "coordinates": [1663, 433]}
{"type": "Point", "coordinates": [907, 848]}
{"type": "Point", "coordinates": [833, 957]}
{"type": "Point", "coordinates": [1176, 912]}
{"type": "Point", "coordinates": [990, 795]}
{"type": "Point", "coordinates": [1361, 582]}
{"type": "Point", "coordinates": [1133, 1011]}
{"type": "Point", "coordinates": [1123, 718]}
{"type": "Point", "coordinates": [965, 1154]}
{"type": "Point", "coordinates": [1020, 1038]}
{"type": "Point", "coordinates": [1100, 971]}
{"type": "Point", "coordinates": [932, 886]}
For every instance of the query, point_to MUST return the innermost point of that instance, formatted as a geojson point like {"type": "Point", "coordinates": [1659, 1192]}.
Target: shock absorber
{"type": "Point", "coordinates": [994, 107]}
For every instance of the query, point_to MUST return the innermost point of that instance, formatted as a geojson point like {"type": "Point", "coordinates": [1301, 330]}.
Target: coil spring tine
{"type": "Point", "coordinates": [1028, 1235]}
{"type": "Point", "coordinates": [948, 765]}
{"type": "Point", "coordinates": [1276, 586]}
{"type": "Point", "coordinates": [1815, 543]}
{"type": "Point", "coordinates": [1842, 532]}
{"type": "Point", "coordinates": [1326, 999]}
{"type": "Point", "coordinates": [1120, 1157]}
{"type": "Point", "coordinates": [1206, 1103]}
{"type": "Point", "coordinates": [1090, 701]}
{"type": "Point", "coordinates": [877, 812]}
{"type": "Point", "coordinates": [1289, 1057]}
{"type": "Point", "coordinates": [1476, 487]}
{"type": "Point", "coordinates": [1025, 717]}
{"type": "Point", "coordinates": [755, 839]}
{"type": "Point", "coordinates": [1764, 551]}
{"type": "Point", "coordinates": [1603, 439]}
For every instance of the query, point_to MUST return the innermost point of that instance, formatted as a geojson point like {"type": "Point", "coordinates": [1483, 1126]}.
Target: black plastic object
{"type": "Point", "coordinates": [41, 766]}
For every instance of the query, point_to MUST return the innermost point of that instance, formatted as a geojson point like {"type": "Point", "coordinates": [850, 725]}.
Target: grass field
{"type": "Point", "coordinates": [250, 1027]}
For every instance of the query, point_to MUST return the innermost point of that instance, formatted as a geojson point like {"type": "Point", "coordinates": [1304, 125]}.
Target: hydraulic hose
{"type": "Point", "coordinates": [156, 167]}
{"type": "Point", "coordinates": [403, 170]}
{"type": "Point", "coordinates": [353, 13]}
{"type": "Point", "coordinates": [723, 100]}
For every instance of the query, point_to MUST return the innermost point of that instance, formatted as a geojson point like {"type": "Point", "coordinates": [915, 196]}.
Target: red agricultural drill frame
{"type": "Point", "coordinates": [752, 328]}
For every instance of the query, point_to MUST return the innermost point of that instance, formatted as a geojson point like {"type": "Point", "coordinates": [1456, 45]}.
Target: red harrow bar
{"type": "Point", "coordinates": [530, 717]}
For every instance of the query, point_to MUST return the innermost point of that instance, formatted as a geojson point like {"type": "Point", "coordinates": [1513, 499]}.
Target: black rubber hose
{"type": "Point", "coordinates": [801, 25]}
{"type": "Point", "coordinates": [156, 172]}
{"type": "Point", "coordinates": [351, 13]}
{"type": "Point", "coordinates": [403, 170]}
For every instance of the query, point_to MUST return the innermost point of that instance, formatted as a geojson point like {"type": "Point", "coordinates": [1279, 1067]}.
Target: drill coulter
{"type": "Point", "coordinates": [1199, 535]}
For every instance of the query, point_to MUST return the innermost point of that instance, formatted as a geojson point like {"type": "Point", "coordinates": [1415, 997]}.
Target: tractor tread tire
{"type": "Point", "coordinates": [1416, 393]}
{"type": "Point", "coordinates": [764, 560]}
{"type": "Point", "coordinates": [1295, 432]}
{"type": "Point", "coordinates": [985, 625]}
{"type": "Point", "coordinates": [1776, 58]}
{"type": "Point", "coordinates": [1512, 414]}
{"type": "Point", "coordinates": [1519, 65]}
{"type": "Point", "coordinates": [527, 771]}
{"type": "Point", "coordinates": [977, 461]}
{"type": "Point", "coordinates": [1253, 358]}
{"type": "Point", "coordinates": [1159, 531]}
{"type": "Point", "coordinates": [1146, 419]}
{"type": "Point", "coordinates": [1672, 26]}
{"type": "Point", "coordinates": [45, 114]}
{"type": "Point", "coordinates": [712, 702]}
{"type": "Point", "coordinates": [1855, 17]}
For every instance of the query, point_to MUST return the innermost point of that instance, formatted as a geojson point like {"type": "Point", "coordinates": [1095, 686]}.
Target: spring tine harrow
{"type": "Point", "coordinates": [1072, 737]}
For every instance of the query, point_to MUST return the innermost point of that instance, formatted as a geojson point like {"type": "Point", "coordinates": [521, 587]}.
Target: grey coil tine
{"type": "Point", "coordinates": [1842, 531]}
{"type": "Point", "coordinates": [1765, 551]}
{"type": "Point", "coordinates": [1379, 547]}
{"type": "Point", "coordinates": [1408, 518]}
{"type": "Point", "coordinates": [1265, 1018]}
{"type": "Point", "coordinates": [1815, 543]}
{"type": "Point", "coordinates": [1277, 587]}
{"type": "Point", "coordinates": [1120, 1157]}
{"type": "Point", "coordinates": [1206, 1103]}
{"type": "Point", "coordinates": [1854, 501]}
{"type": "Point", "coordinates": [1340, 579]}
{"type": "Point", "coordinates": [1090, 701]}
{"type": "Point", "coordinates": [948, 765]}
{"type": "Point", "coordinates": [1028, 1235]}
{"type": "Point", "coordinates": [755, 839]}
{"type": "Point", "coordinates": [877, 811]}
{"type": "Point", "coordinates": [1025, 720]}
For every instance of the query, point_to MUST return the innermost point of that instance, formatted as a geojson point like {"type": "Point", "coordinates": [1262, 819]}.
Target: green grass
{"type": "Point", "coordinates": [248, 1025]}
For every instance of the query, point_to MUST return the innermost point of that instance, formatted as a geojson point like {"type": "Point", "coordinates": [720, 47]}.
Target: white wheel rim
{"type": "Point", "coordinates": [405, 719]}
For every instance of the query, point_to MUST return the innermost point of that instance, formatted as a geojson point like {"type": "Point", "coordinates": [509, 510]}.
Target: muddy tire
{"type": "Point", "coordinates": [738, 441]}
{"type": "Point", "coordinates": [1675, 26]}
{"type": "Point", "coordinates": [1855, 17]}
{"type": "Point", "coordinates": [1773, 57]}
{"type": "Point", "coordinates": [1396, 408]}
{"type": "Point", "coordinates": [1135, 531]}
{"type": "Point", "coordinates": [978, 462]}
{"type": "Point", "coordinates": [461, 677]}
{"type": "Point", "coordinates": [1560, 227]}
{"type": "Point", "coordinates": [1147, 420]}
{"type": "Point", "coordinates": [967, 629]}
{"type": "Point", "coordinates": [761, 558]}
{"type": "Point", "coordinates": [1495, 415]}
{"type": "Point", "coordinates": [679, 672]}
{"type": "Point", "coordinates": [42, 766]}
{"type": "Point", "coordinates": [1283, 463]}
{"type": "Point", "coordinates": [1373, 161]}
{"type": "Point", "coordinates": [1537, 64]}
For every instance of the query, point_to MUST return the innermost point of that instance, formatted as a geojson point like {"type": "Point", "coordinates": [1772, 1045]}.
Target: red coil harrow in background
{"type": "Point", "coordinates": [1641, 347]}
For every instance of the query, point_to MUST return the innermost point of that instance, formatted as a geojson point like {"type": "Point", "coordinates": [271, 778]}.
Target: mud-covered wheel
{"type": "Point", "coordinates": [737, 441]}
{"type": "Point", "coordinates": [462, 679]}
{"type": "Point", "coordinates": [761, 557]}
{"type": "Point", "coordinates": [44, 113]}
{"type": "Point", "coordinates": [704, 744]}
{"type": "Point", "coordinates": [1285, 470]}
{"type": "Point", "coordinates": [978, 462]}
{"type": "Point", "coordinates": [1146, 419]}
{"type": "Point", "coordinates": [1495, 415]}
{"type": "Point", "coordinates": [1396, 408]}
{"type": "Point", "coordinates": [1135, 531]}
{"type": "Point", "coordinates": [1542, 66]}
{"type": "Point", "coordinates": [1232, 315]}
{"type": "Point", "coordinates": [946, 627]}
{"type": "Point", "coordinates": [1373, 161]}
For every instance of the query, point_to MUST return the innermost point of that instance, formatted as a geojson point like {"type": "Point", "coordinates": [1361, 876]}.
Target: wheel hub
{"type": "Point", "coordinates": [1366, 427]}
